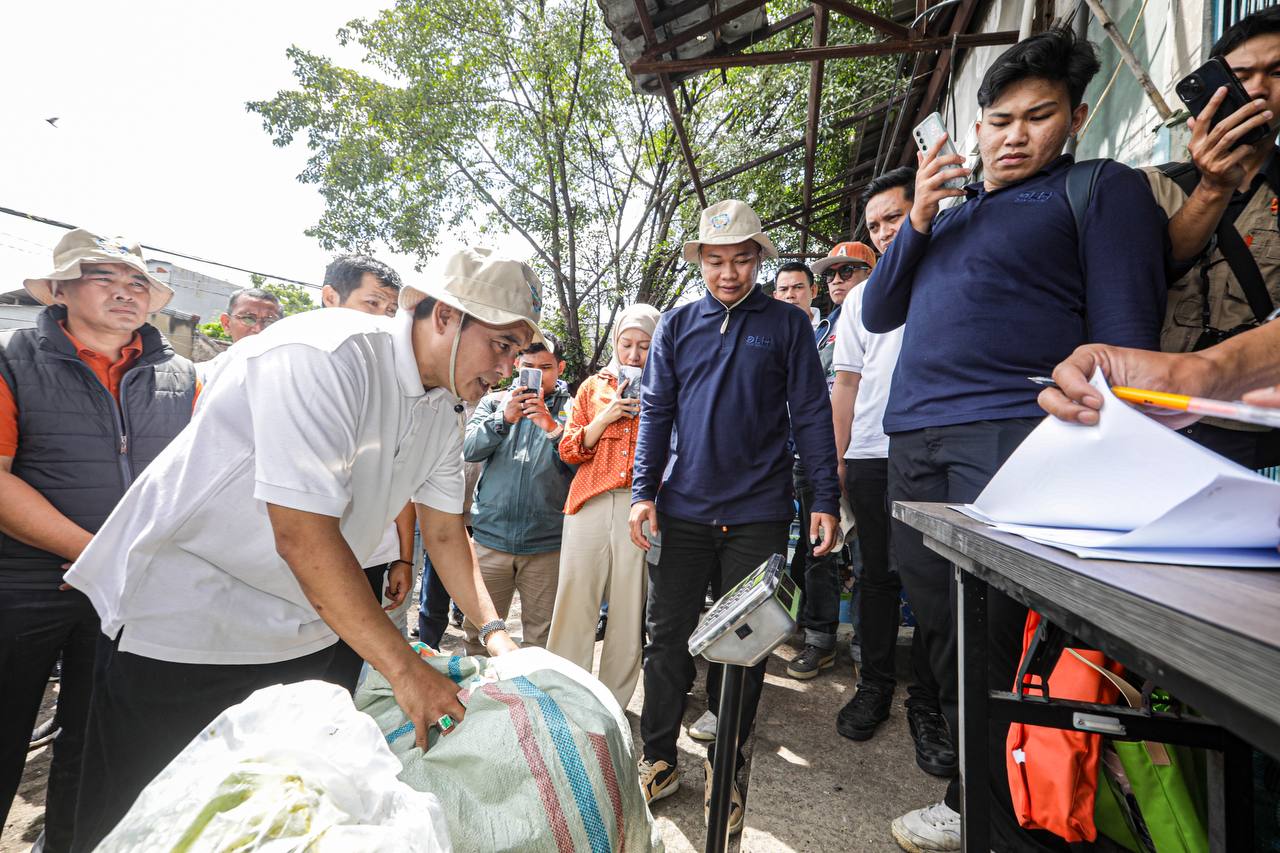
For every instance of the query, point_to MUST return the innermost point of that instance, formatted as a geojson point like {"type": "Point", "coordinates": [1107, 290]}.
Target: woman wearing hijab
{"type": "Point", "coordinates": [597, 557]}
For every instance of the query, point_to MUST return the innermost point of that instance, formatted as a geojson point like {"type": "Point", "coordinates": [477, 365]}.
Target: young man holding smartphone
{"type": "Point", "coordinates": [517, 518]}
{"type": "Point", "coordinates": [993, 291]}
{"type": "Point", "coordinates": [1227, 183]}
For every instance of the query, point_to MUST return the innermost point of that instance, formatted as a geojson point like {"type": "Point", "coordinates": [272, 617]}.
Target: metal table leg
{"type": "Point", "coordinates": [1238, 792]}
{"type": "Point", "coordinates": [728, 725]}
{"type": "Point", "coordinates": [971, 648]}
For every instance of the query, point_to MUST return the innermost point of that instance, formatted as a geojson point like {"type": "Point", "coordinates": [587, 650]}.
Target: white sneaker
{"type": "Point", "coordinates": [704, 728]}
{"type": "Point", "coordinates": [933, 829]}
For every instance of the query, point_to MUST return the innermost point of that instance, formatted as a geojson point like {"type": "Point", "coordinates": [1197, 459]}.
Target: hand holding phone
{"type": "Point", "coordinates": [937, 173]}
{"type": "Point", "coordinates": [1227, 124]}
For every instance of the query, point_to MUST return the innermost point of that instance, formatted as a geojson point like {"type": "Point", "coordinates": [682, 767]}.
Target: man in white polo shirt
{"type": "Point", "coordinates": [864, 364]}
{"type": "Point", "coordinates": [233, 563]}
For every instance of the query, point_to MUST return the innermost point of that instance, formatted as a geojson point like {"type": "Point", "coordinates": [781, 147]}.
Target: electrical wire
{"type": "Point", "coordinates": [45, 221]}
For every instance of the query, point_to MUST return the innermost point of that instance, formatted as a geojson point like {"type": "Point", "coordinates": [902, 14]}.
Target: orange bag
{"type": "Point", "coordinates": [1053, 773]}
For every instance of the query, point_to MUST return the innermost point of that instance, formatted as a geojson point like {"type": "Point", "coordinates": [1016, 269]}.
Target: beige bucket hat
{"type": "Point", "coordinates": [725, 223]}
{"type": "Point", "coordinates": [493, 289]}
{"type": "Point", "coordinates": [80, 247]}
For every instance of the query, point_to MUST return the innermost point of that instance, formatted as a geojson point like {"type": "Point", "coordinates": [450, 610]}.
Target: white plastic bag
{"type": "Point", "coordinates": [293, 767]}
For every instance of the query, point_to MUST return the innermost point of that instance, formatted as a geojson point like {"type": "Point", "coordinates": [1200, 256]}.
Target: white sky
{"type": "Point", "coordinates": [153, 141]}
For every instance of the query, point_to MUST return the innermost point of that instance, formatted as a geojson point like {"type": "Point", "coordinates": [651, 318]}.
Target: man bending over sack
{"type": "Point", "coordinates": [233, 563]}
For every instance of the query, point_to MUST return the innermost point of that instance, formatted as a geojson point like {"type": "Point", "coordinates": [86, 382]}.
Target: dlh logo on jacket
{"type": "Point", "coordinates": [1029, 196]}
{"type": "Point", "coordinates": [761, 341]}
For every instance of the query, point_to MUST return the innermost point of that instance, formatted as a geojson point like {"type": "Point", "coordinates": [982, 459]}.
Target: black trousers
{"type": "Point", "coordinates": [145, 711]}
{"type": "Point", "coordinates": [36, 627]}
{"type": "Point", "coordinates": [866, 482]}
{"type": "Point", "coordinates": [693, 557]}
{"type": "Point", "coordinates": [344, 669]}
{"type": "Point", "coordinates": [817, 577]}
{"type": "Point", "coordinates": [954, 464]}
{"type": "Point", "coordinates": [1250, 449]}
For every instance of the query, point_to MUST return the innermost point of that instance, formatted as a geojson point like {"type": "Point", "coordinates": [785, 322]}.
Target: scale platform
{"type": "Point", "coordinates": [751, 619]}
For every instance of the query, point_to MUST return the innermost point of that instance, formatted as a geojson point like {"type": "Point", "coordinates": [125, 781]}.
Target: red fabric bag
{"type": "Point", "coordinates": [1053, 773]}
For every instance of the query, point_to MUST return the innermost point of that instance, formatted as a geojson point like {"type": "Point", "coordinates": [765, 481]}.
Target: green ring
{"type": "Point", "coordinates": [445, 723]}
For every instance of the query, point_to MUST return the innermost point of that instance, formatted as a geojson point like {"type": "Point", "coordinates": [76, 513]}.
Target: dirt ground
{"type": "Point", "coordinates": [808, 788]}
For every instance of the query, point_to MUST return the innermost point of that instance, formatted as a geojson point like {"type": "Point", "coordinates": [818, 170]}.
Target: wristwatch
{"type": "Point", "coordinates": [556, 433]}
{"type": "Point", "coordinates": [489, 628]}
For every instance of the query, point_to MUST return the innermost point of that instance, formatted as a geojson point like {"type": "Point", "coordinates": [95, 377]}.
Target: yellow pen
{"type": "Point", "coordinates": [1234, 411]}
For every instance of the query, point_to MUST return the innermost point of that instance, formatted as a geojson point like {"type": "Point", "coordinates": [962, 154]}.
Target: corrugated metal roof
{"type": "Point", "coordinates": [672, 20]}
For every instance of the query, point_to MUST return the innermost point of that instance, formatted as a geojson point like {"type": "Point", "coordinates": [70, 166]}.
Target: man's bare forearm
{"type": "Point", "coordinates": [1191, 227]}
{"type": "Point", "coordinates": [843, 396]}
{"type": "Point", "coordinates": [27, 515]}
{"type": "Point", "coordinates": [445, 537]}
{"type": "Point", "coordinates": [404, 532]}
{"type": "Point", "coordinates": [1243, 363]}
{"type": "Point", "coordinates": [333, 582]}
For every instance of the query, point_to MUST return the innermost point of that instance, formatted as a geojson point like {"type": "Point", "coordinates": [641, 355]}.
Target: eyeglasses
{"type": "Point", "coordinates": [845, 272]}
{"type": "Point", "coordinates": [252, 320]}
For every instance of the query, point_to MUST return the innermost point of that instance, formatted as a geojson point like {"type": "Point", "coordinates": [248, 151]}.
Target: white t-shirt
{"type": "Point", "coordinates": [323, 412]}
{"type": "Point", "coordinates": [874, 357]}
{"type": "Point", "coordinates": [388, 549]}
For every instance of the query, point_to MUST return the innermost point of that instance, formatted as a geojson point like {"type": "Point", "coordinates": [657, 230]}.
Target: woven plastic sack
{"type": "Point", "coordinates": [292, 768]}
{"type": "Point", "coordinates": [542, 762]}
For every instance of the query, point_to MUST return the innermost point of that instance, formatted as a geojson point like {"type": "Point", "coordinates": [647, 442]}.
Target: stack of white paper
{"type": "Point", "coordinates": [1132, 489]}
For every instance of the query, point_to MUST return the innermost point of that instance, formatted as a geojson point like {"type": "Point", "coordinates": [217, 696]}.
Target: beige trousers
{"type": "Point", "coordinates": [534, 576]}
{"type": "Point", "coordinates": [598, 561]}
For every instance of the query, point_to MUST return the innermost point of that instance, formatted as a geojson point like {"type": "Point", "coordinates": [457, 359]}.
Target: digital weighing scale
{"type": "Point", "coordinates": [739, 631]}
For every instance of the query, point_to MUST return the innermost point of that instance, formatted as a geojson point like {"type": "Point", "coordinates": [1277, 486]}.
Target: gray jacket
{"type": "Point", "coordinates": [519, 500]}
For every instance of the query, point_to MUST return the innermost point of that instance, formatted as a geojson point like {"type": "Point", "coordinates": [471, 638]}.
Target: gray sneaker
{"type": "Point", "coordinates": [704, 728]}
{"type": "Point", "coordinates": [810, 662]}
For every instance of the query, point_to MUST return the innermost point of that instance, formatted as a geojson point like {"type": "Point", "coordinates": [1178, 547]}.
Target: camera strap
{"type": "Point", "coordinates": [1229, 242]}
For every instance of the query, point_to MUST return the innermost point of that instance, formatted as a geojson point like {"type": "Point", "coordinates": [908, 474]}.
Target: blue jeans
{"type": "Point", "coordinates": [433, 605]}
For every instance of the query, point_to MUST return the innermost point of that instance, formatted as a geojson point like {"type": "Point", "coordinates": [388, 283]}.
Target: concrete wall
{"type": "Point", "coordinates": [194, 292]}
{"type": "Point", "coordinates": [1172, 39]}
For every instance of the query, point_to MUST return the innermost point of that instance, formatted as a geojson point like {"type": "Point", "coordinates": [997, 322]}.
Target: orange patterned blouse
{"type": "Point", "coordinates": [606, 466]}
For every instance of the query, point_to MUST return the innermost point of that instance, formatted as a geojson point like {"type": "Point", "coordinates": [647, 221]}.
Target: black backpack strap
{"type": "Point", "coordinates": [1237, 255]}
{"type": "Point", "coordinates": [1082, 177]}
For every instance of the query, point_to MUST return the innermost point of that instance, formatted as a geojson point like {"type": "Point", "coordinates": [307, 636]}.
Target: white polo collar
{"type": "Point", "coordinates": [407, 365]}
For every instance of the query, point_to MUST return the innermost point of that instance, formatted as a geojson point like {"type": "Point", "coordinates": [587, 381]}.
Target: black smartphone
{"type": "Point", "coordinates": [1198, 87]}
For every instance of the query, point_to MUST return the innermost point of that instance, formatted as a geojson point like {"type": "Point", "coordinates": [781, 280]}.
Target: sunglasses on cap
{"type": "Point", "coordinates": [845, 271]}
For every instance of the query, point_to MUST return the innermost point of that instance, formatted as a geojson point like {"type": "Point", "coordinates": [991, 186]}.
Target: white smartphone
{"type": "Point", "coordinates": [927, 133]}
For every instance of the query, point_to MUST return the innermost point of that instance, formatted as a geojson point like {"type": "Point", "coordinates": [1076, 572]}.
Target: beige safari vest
{"type": "Point", "coordinates": [1227, 305]}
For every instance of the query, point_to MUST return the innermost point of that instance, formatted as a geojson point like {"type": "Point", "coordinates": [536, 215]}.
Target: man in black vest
{"type": "Point", "coordinates": [87, 398]}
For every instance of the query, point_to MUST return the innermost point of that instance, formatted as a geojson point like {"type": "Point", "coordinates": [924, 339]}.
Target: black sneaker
{"type": "Point", "coordinates": [869, 707]}
{"type": "Point", "coordinates": [935, 751]}
{"type": "Point", "coordinates": [602, 626]}
{"type": "Point", "coordinates": [810, 662]}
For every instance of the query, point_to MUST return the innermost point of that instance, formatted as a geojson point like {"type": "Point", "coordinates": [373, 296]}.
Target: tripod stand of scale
{"type": "Point", "coordinates": [739, 631]}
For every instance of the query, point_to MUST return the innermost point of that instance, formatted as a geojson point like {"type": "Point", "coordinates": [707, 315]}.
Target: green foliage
{"type": "Point", "coordinates": [294, 298]}
{"type": "Point", "coordinates": [214, 330]}
{"type": "Point", "coordinates": [517, 116]}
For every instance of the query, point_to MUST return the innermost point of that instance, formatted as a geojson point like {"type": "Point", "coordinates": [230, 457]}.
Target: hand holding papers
{"type": "Point", "coordinates": [1132, 489]}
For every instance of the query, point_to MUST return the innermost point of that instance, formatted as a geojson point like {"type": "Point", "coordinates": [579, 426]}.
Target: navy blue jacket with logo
{"type": "Point", "coordinates": [1003, 288]}
{"type": "Point", "coordinates": [717, 389]}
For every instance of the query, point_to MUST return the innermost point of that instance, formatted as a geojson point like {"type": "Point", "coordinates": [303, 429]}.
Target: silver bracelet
{"type": "Point", "coordinates": [489, 628]}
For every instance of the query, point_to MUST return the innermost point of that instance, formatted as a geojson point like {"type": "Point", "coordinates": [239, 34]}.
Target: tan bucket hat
{"type": "Point", "coordinates": [725, 223]}
{"type": "Point", "coordinates": [493, 289]}
{"type": "Point", "coordinates": [79, 247]}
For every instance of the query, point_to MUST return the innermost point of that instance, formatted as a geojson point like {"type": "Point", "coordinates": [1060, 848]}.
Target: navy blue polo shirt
{"type": "Point", "coordinates": [996, 292]}
{"type": "Point", "coordinates": [722, 380]}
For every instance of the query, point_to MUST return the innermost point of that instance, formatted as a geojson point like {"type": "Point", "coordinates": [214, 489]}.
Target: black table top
{"type": "Point", "coordinates": [1210, 636]}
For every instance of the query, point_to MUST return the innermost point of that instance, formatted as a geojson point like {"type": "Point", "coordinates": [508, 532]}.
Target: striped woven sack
{"type": "Point", "coordinates": [543, 761]}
